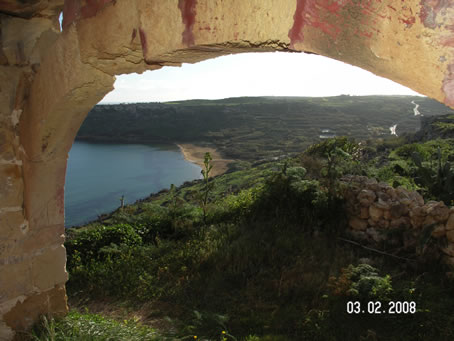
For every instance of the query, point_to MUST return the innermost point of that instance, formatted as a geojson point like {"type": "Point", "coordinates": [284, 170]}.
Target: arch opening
{"type": "Point", "coordinates": [221, 78]}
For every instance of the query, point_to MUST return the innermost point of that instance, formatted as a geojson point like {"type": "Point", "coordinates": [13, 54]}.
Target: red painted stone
{"type": "Point", "coordinates": [299, 21]}
{"type": "Point", "coordinates": [71, 11]}
{"type": "Point", "coordinates": [133, 35]}
{"type": "Point", "coordinates": [143, 41]}
{"type": "Point", "coordinates": [430, 9]}
{"type": "Point", "coordinates": [92, 7]}
{"type": "Point", "coordinates": [408, 21]}
{"type": "Point", "coordinates": [392, 8]}
{"type": "Point", "coordinates": [188, 13]}
{"type": "Point", "coordinates": [313, 13]}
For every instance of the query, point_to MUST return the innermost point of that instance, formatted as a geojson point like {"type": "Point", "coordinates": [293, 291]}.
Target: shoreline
{"type": "Point", "coordinates": [196, 155]}
{"type": "Point", "coordinates": [191, 152]}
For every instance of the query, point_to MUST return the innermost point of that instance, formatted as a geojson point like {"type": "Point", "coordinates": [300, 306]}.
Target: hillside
{"type": "Point", "coordinates": [268, 256]}
{"type": "Point", "coordinates": [252, 128]}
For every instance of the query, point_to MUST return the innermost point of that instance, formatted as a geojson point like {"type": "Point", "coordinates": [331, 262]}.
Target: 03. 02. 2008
{"type": "Point", "coordinates": [377, 307]}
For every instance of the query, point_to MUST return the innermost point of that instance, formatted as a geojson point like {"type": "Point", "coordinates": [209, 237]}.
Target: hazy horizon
{"type": "Point", "coordinates": [220, 99]}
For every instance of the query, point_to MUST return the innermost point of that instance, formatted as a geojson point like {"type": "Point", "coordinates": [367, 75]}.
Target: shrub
{"type": "Point", "coordinates": [84, 245]}
{"type": "Point", "coordinates": [363, 283]}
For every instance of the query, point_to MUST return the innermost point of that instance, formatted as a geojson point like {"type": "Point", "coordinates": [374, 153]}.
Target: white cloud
{"type": "Point", "coordinates": [252, 74]}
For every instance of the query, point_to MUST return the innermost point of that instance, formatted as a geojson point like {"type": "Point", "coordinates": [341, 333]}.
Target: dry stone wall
{"type": "Point", "coordinates": [375, 209]}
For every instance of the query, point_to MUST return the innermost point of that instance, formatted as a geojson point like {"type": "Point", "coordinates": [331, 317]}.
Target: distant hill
{"type": "Point", "coordinates": [251, 128]}
{"type": "Point", "coordinates": [434, 127]}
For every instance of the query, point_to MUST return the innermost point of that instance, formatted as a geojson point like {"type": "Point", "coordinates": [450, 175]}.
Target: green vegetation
{"type": "Point", "coordinates": [424, 166]}
{"type": "Point", "coordinates": [253, 128]}
{"type": "Point", "coordinates": [263, 255]}
{"type": "Point", "coordinates": [86, 327]}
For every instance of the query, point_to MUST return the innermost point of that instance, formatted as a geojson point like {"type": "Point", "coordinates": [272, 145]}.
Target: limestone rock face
{"type": "Point", "coordinates": [49, 80]}
{"type": "Point", "coordinates": [30, 8]}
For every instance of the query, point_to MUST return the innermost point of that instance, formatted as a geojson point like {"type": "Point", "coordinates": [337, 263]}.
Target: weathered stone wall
{"type": "Point", "coordinates": [49, 80]}
{"type": "Point", "coordinates": [32, 258]}
{"type": "Point", "coordinates": [376, 209]}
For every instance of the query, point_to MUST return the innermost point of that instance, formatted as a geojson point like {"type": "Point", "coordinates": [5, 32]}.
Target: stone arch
{"type": "Point", "coordinates": [50, 80]}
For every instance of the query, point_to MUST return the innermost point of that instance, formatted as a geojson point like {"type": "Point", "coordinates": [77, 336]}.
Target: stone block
{"type": "Point", "coordinates": [371, 222]}
{"type": "Point", "coordinates": [450, 222]}
{"type": "Point", "coordinates": [375, 213]}
{"type": "Point", "coordinates": [397, 210]}
{"type": "Point", "coordinates": [8, 143]}
{"type": "Point", "coordinates": [439, 231]}
{"type": "Point", "coordinates": [11, 226]}
{"type": "Point", "coordinates": [430, 220]}
{"type": "Point", "coordinates": [366, 197]}
{"type": "Point", "coordinates": [364, 214]}
{"type": "Point", "coordinates": [417, 221]}
{"type": "Point", "coordinates": [382, 223]}
{"type": "Point", "coordinates": [437, 210]}
{"type": "Point", "coordinates": [9, 79]}
{"type": "Point", "coordinates": [19, 37]}
{"type": "Point", "coordinates": [358, 224]}
{"type": "Point", "coordinates": [416, 197]}
{"type": "Point", "coordinates": [401, 222]}
{"type": "Point", "coordinates": [418, 211]}
{"type": "Point", "coordinates": [391, 192]}
{"type": "Point", "coordinates": [405, 201]}
{"type": "Point", "coordinates": [402, 193]}
{"type": "Point", "coordinates": [382, 195]}
{"type": "Point", "coordinates": [450, 236]}
{"type": "Point", "coordinates": [15, 279]}
{"type": "Point", "coordinates": [44, 237]}
{"type": "Point", "coordinates": [11, 186]}
{"type": "Point", "coordinates": [48, 268]}
{"type": "Point", "coordinates": [24, 314]}
{"type": "Point", "coordinates": [382, 204]}
{"type": "Point", "coordinates": [448, 250]}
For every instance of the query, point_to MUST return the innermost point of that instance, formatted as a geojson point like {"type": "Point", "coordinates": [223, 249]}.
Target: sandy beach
{"type": "Point", "coordinates": [196, 154]}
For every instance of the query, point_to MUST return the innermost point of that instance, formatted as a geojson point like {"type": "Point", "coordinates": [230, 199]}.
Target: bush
{"type": "Point", "coordinates": [362, 283]}
{"type": "Point", "coordinates": [83, 246]}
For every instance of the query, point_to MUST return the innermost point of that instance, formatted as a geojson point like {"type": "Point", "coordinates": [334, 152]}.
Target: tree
{"type": "Point", "coordinates": [208, 186]}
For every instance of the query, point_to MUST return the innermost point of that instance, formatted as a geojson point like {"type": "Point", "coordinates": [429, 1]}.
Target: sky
{"type": "Point", "coordinates": [252, 74]}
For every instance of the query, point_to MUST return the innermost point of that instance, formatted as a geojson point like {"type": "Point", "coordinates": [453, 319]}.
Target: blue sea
{"type": "Point", "coordinates": [98, 174]}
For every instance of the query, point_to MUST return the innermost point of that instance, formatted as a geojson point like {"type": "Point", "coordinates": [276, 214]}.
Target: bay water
{"type": "Point", "coordinates": [98, 174]}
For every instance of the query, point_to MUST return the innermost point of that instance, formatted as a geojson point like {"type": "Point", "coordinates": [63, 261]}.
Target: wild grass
{"type": "Point", "coordinates": [78, 326]}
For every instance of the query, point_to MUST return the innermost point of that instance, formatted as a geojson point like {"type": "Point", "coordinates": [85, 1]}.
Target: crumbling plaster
{"type": "Point", "coordinates": [49, 80]}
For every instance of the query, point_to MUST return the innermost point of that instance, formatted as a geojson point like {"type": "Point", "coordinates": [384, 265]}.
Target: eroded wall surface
{"type": "Point", "coordinates": [49, 80]}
